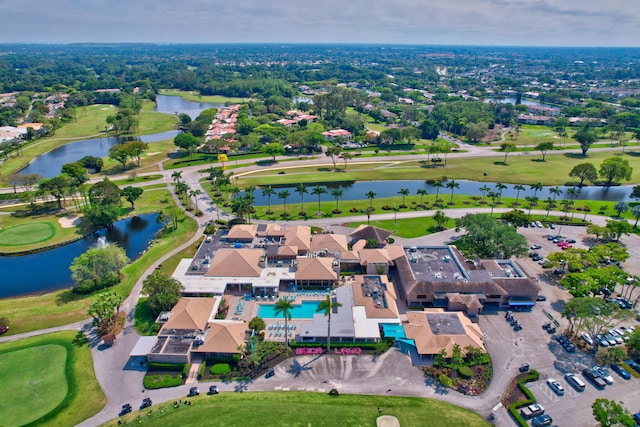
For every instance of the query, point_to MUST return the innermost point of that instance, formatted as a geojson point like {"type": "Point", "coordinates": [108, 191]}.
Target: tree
{"type": "Point", "coordinates": [586, 136]}
{"type": "Point", "coordinates": [76, 172]}
{"type": "Point", "coordinates": [516, 217]}
{"type": "Point", "coordinates": [242, 206]}
{"type": "Point", "coordinates": [621, 207]}
{"type": "Point", "coordinates": [370, 195]}
{"type": "Point", "coordinates": [404, 192]}
{"type": "Point", "coordinates": [136, 149]}
{"type": "Point", "coordinates": [452, 185]}
{"type": "Point", "coordinates": [500, 186]}
{"type": "Point", "coordinates": [615, 168]}
{"type": "Point", "coordinates": [284, 194]}
{"type": "Point", "coordinates": [92, 163]}
{"type": "Point", "coordinates": [493, 196]}
{"type": "Point", "coordinates": [176, 176]}
{"type": "Point", "coordinates": [487, 237]}
{"type": "Point", "coordinates": [610, 414]}
{"type": "Point", "coordinates": [429, 129]}
{"type": "Point", "coordinates": [584, 171]}
{"type": "Point", "coordinates": [284, 306]}
{"type": "Point", "coordinates": [301, 189]}
{"type": "Point", "coordinates": [484, 189]}
{"type": "Point", "coordinates": [440, 219]}
{"type": "Point", "coordinates": [476, 131]}
{"type": "Point", "coordinates": [533, 201]}
{"type": "Point", "coordinates": [120, 154]}
{"type": "Point", "coordinates": [635, 211]}
{"type": "Point", "coordinates": [326, 307]}
{"type": "Point", "coordinates": [438, 185]}
{"type": "Point", "coordinates": [421, 192]}
{"type": "Point", "coordinates": [318, 191]}
{"type": "Point", "coordinates": [518, 189]}
{"type": "Point", "coordinates": [506, 148]}
{"type": "Point", "coordinates": [223, 158]}
{"type": "Point", "coordinates": [268, 192]}
{"type": "Point", "coordinates": [333, 152]}
{"type": "Point", "coordinates": [536, 187]}
{"type": "Point", "coordinates": [131, 194]}
{"type": "Point", "coordinates": [163, 291]}
{"type": "Point", "coordinates": [612, 355]}
{"type": "Point", "coordinates": [102, 215]}
{"type": "Point", "coordinates": [368, 211]}
{"type": "Point", "coordinates": [186, 140]}
{"type": "Point", "coordinates": [273, 149]}
{"type": "Point", "coordinates": [257, 324]}
{"type": "Point", "coordinates": [543, 147]}
{"type": "Point", "coordinates": [616, 229]}
{"type": "Point", "coordinates": [98, 268]}
{"type": "Point", "coordinates": [337, 194]}
{"type": "Point", "coordinates": [56, 187]}
{"type": "Point", "coordinates": [635, 192]}
{"type": "Point", "coordinates": [195, 193]}
{"type": "Point", "coordinates": [346, 157]}
{"type": "Point", "coordinates": [556, 191]}
{"type": "Point", "coordinates": [104, 311]}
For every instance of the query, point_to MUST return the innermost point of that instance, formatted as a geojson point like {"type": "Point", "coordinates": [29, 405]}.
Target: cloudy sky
{"type": "Point", "coordinates": [475, 22]}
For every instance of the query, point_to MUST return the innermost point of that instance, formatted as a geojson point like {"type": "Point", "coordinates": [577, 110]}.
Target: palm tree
{"type": "Point", "coordinates": [181, 189]}
{"type": "Point", "coordinates": [395, 210]}
{"type": "Point", "coordinates": [326, 307]}
{"type": "Point", "coordinates": [370, 195]}
{"type": "Point", "coordinates": [318, 191]}
{"type": "Point", "coordinates": [301, 190]}
{"type": "Point", "coordinates": [368, 211]}
{"type": "Point", "coordinates": [532, 201]}
{"type": "Point", "coordinates": [195, 194]}
{"type": "Point", "coordinates": [438, 185]}
{"type": "Point", "coordinates": [484, 190]}
{"type": "Point", "coordinates": [284, 306]}
{"type": "Point", "coordinates": [452, 185]}
{"type": "Point", "coordinates": [337, 194]}
{"type": "Point", "coordinates": [346, 157]}
{"type": "Point", "coordinates": [500, 186]}
{"type": "Point", "coordinates": [573, 193]}
{"type": "Point", "coordinates": [268, 191]}
{"type": "Point", "coordinates": [421, 192]}
{"type": "Point", "coordinates": [493, 196]}
{"type": "Point", "coordinates": [177, 176]}
{"type": "Point", "coordinates": [241, 206]}
{"type": "Point", "coordinates": [556, 191]}
{"type": "Point", "coordinates": [283, 195]}
{"type": "Point", "coordinates": [404, 192]}
{"type": "Point", "coordinates": [440, 218]}
{"type": "Point", "coordinates": [586, 209]}
{"type": "Point", "coordinates": [635, 211]}
{"type": "Point", "coordinates": [549, 202]}
{"type": "Point", "coordinates": [536, 187]}
{"type": "Point", "coordinates": [518, 188]}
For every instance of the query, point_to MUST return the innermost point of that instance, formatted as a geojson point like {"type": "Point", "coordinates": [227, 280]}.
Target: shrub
{"type": "Point", "coordinates": [152, 382]}
{"type": "Point", "coordinates": [220, 369]}
{"type": "Point", "coordinates": [445, 380]}
{"type": "Point", "coordinates": [334, 392]}
{"type": "Point", "coordinates": [185, 370]}
{"type": "Point", "coordinates": [465, 371]}
{"type": "Point", "coordinates": [155, 366]}
{"type": "Point", "coordinates": [203, 366]}
{"type": "Point", "coordinates": [391, 240]}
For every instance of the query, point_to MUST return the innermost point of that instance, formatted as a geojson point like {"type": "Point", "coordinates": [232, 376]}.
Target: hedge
{"type": "Point", "coordinates": [465, 371]}
{"type": "Point", "coordinates": [185, 370]}
{"type": "Point", "coordinates": [161, 381]}
{"type": "Point", "coordinates": [513, 408]}
{"type": "Point", "coordinates": [445, 380]}
{"type": "Point", "coordinates": [203, 366]}
{"type": "Point", "coordinates": [155, 366]}
{"type": "Point", "coordinates": [220, 369]}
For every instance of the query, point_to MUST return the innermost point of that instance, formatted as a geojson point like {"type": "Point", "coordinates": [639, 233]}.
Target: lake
{"type": "Point", "coordinates": [524, 102]}
{"type": "Point", "coordinates": [357, 191]}
{"type": "Point", "coordinates": [48, 271]}
{"type": "Point", "coordinates": [175, 104]}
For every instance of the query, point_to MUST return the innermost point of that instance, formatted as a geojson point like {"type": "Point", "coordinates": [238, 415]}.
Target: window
{"type": "Point", "coordinates": [422, 297]}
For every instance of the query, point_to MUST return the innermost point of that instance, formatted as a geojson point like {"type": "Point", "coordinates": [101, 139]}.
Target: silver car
{"type": "Point", "coordinates": [604, 373]}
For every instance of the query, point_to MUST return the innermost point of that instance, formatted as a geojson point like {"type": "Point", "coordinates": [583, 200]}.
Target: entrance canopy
{"type": "Point", "coordinates": [142, 347]}
{"type": "Point", "coordinates": [521, 303]}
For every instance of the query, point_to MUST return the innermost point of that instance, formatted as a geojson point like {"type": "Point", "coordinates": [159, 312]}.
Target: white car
{"type": "Point", "coordinates": [604, 373]}
{"type": "Point", "coordinates": [587, 338]}
{"type": "Point", "coordinates": [555, 386]}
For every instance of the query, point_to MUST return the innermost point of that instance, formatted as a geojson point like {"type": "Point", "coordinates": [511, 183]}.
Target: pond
{"type": "Point", "coordinates": [49, 164]}
{"type": "Point", "coordinates": [175, 104]}
{"type": "Point", "coordinates": [358, 190]}
{"type": "Point", "coordinates": [524, 102]}
{"type": "Point", "coordinates": [49, 270]}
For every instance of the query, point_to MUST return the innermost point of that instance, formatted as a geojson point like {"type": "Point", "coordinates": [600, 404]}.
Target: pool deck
{"type": "Point", "coordinates": [274, 330]}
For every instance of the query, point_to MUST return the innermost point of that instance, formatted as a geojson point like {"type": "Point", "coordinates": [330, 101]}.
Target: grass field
{"type": "Point", "coordinates": [31, 394]}
{"type": "Point", "coordinates": [26, 234]}
{"type": "Point", "coordinates": [284, 409]}
{"type": "Point", "coordinates": [48, 380]}
{"type": "Point", "coordinates": [195, 96]}
{"type": "Point", "coordinates": [409, 227]}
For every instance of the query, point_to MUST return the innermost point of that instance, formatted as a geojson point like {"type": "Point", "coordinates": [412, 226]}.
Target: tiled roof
{"type": "Point", "coordinates": [190, 314]}
{"type": "Point", "coordinates": [236, 263]}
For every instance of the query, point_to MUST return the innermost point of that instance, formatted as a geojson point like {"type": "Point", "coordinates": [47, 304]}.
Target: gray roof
{"type": "Point", "coordinates": [341, 319]}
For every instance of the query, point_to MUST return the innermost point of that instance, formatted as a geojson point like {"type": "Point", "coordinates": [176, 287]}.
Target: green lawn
{"type": "Point", "coordinates": [26, 234]}
{"type": "Point", "coordinates": [408, 227]}
{"type": "Point", "coordinates": [48, 380]}
{"type": "Point", "coordinates": [195, 96]}
{"type": "Point", "coordinates": [29, 390]}
{"type": "Point", "coordinates": [284, 409]}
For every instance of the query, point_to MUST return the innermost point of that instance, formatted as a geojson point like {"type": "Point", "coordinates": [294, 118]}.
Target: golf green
{"type": "Point", "coordinates": [32, 383]}
{"type": "Point", "coordinates": [26, 234]}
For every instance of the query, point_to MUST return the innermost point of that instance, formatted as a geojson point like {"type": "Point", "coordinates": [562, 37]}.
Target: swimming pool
{"type": "Point", "coordinates": [305, 310]}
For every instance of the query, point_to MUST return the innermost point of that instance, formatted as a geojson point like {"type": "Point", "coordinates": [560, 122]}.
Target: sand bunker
{"type": "Point", "coordinates": [69, 221]}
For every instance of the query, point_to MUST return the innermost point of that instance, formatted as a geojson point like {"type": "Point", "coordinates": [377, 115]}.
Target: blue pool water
{"type": "Point", "coordinates": [306, 310]}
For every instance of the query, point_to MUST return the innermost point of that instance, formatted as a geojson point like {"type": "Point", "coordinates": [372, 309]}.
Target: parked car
{"type": "Point", "coordinates": [193, 391]}
{"type": "Point", "coordinates": [533, 254]}
{"type": "Point", "coordinates": [594, 378]}
{"type": "Point", "coordinates": [555, 386]}
{"type": "Point", "coordinates": [542, 420]}
{"type": "Point", "coordinates": [213, 389]}
{"type": "Point", "coordinates": [621, 371]}
{"type": "Point", "coordinates": [537, 258]}
{"type": "Point", "coordinates": [587, 338]}
{"type": "Point", "coordinates": [532, 410]}
{"type": "Point", "coordinates": [126, 408]}
{"type": "Point", "coordinates": [633, 365]}
{"type": "Point", "coordinates": [536, 246]}
{"type": "Point", "coordinates": [551, 237]}
{"type": "Point", "coordinates": [552, 226]}
{"type": "Point", "coordinates": [604, 374]}
{"type": "Point", "coordinates": [541, 298]}
{"type": "Point", "coordinates": [271, 372]}
{"type": "Point", "coordinates": [146, 402]}
{"type": "Point", "coordinates": [538, 224]}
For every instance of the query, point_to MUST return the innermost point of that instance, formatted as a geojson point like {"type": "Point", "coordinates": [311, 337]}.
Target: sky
{"type": "Point", "coordinates": [452, 22]}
